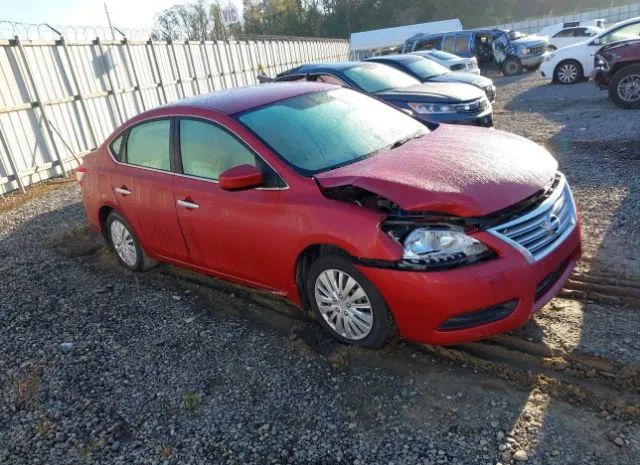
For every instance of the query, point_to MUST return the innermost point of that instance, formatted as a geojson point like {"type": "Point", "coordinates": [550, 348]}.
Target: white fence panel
{"type": "Point", "coordinates": [59, 100]}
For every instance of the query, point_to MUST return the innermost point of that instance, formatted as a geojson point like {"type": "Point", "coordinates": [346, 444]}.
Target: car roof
{"type": "Point", "coordinates": [404, 58]}
{"type": "Point", "coordinates": [314, 67]}
{"type": "Point", "coordinates": [241, 99]}
{"type": "Point", "coordinates": [420, 35]}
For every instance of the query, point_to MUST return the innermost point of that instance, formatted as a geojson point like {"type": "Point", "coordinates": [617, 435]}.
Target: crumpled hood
{"type": "Point", "coordinates": [434, 92]}
{"type": "Point", "coordinates": [621, 44]}
{"type": "Point", "coordinates": [454, 170]}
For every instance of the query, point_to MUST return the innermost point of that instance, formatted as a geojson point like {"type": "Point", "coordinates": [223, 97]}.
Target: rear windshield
{"type": "Point", "coordinates": [374, 78]}
{"type": "Point", "coordinates": [324, 130]}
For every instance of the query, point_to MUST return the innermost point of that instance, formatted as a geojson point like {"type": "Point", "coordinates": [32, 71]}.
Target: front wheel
{"type": "Point", "coordinates": [624, 88]}
{"type": "Point", "coordinates": [568, 72]}
{"type": "Point", "coordinates": [512, 66]}
{"type": "Point", "coordinates": [346, 304]}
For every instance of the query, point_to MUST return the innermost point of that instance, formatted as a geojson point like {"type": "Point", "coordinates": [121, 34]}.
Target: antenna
{"type": "Point", "coordinates": [106, 10]}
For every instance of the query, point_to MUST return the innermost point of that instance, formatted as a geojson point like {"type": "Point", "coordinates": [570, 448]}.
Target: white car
{"type": "Point", "coordinates": [450, 61]}
{"type": "Point", "coordinates": [552, 30]}
{"type": "Point", "coordinates": [571, 64]}
{"type": "Point", "coordinates": [572, 35]}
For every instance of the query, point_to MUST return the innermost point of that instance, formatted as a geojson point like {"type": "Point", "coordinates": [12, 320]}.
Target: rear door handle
{"type": "Point", "coordinates": [188, 205]}
{"type": "Point", "coordinates": [122, 191]}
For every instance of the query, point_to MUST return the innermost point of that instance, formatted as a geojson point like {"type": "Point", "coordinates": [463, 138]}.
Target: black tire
{"type": "Point", "coordinates": [563, 73]}
{"type": "Point", "coordinates": [512, 66]}
{"type": "Point", "coordinates": [622, 76]}
{"type": "Point", "coordinates": [382, 325]}
{"type": "Point", "coordinates": [142, 261]}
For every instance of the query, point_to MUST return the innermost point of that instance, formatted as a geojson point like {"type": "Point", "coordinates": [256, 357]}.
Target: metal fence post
{"type": "Point", "coordinates": [156, 66]}
{"type": "Point", "coordinates": [193, 67]}
{"type": "Point", "coordinates": [177, 70]}
{"type": "Point", "coordinates": [135, 73]}
{"type": "Point", "coordinates": [111, 91]}
{"type": "Point", "coordinates": [76, 83]}
{"type": "Point", "coordinates": [207, 62]}
{"type": "Point", "coordinates": [39, 101]}
{"type": "Point", "coordinates": [12, 162]}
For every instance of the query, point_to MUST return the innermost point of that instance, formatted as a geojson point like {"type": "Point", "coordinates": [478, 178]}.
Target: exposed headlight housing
{"type": "Point", "coordinates": [525, 51]}
{"type": "Point", "coordinates": [439, 246]}
{"type": "Point", "coordinates": [601, 63]}
{"type": "Point", "coordinates": [423, 108]}
{"type": "Point", "coordinates": [549, 57]}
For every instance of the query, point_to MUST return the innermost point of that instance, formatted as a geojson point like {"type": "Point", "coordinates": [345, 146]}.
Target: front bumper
{"type": "Point", "coordinates": [547, 69]}
{"type": "Point", "coordinates": [422, 302]}
{"type": "Point", "coordinates": [601, 78]}
{"type": "Point", "coordinates": [531, 61]}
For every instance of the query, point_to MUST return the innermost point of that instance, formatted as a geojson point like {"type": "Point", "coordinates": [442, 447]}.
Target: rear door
{"type": "Point", "coordinates": [143, 187]}
{"type": "Point", "coordinates": [226, 231]}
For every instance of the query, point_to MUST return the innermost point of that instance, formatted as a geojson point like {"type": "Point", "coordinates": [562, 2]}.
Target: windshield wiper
{"type": "Point", "coordinates": [401, 142]}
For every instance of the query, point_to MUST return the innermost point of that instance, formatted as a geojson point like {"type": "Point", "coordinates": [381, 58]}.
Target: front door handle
{"type": "Point", "coordinates": [122, 191]}
{"type": "Point", "coordinates": [188, 205]}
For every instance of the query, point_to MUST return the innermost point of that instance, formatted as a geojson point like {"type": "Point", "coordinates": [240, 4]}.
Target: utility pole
{"type": "Point", "coordinates": [106, 10]}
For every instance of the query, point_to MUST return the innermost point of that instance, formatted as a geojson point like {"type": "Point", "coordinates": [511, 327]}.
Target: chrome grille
{"type": "Point", "coordinates": [538, 232]}
{"type": "Point", "coordinates": [537, 50]}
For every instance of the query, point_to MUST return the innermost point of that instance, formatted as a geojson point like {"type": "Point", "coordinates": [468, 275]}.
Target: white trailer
{"type": "Point", "coordinates": [365, 44]}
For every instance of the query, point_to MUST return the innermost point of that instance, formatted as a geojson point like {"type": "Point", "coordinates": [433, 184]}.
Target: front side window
{"type": "Point", "coordinates": [207, 150]}
{"type": "Point", "coordinates": [378, 78]}
{"type": "Point", "coordinates": [148, 145]}
{"type": "Point", "coordinates": [329, 129]}
{"type": "Point", "coordinates": [630, 31]}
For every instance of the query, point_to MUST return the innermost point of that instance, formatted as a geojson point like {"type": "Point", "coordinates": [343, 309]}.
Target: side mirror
{"type": "Point", "coordinates": [241, 177]}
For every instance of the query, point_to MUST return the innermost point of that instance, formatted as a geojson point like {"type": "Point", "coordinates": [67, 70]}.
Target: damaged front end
{"type": "Point", "coordinates": [434, 241]}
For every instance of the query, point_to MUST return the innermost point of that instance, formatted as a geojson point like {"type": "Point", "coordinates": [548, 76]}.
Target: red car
{"type": "Point", "coordinates": [617, 68]}
{"type": "Point", "coordinates": [345, 206]}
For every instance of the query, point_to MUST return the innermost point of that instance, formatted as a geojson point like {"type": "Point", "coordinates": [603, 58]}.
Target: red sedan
{"type": "Point", "coordinates": [344, 205]}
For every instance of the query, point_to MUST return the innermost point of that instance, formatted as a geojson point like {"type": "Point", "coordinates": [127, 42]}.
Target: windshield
{"type": "Point", "coordinates": [630, 31]}
{"type": "Point", "coordinates": [324, 130]}
{"type": "Point", "coordinates": [425, 68]}
{"type": "Point", "coordinates": [377, 78]}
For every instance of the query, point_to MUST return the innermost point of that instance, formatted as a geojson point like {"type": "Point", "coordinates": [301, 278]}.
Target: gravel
{"type": "Point", "coordinates": [104, 366]}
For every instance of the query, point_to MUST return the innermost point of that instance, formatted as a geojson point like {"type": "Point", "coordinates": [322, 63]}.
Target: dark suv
{"type": "Point", "coordinates": [617, 68]}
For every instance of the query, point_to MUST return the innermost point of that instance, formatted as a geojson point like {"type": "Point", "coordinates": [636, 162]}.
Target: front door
{"type": "Point", "coordinates": [142, 186]}
{"type": "Point", "coordinates": [225, 230]}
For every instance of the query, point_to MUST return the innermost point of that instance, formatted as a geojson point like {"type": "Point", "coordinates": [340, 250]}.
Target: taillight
{"type": "Point", "coordinates": [80, 172]}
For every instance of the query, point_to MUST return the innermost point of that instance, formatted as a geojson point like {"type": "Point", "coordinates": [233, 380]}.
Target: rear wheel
{"type": "Point", "coordinates": [512, 66]}
{"type": "Point", "coordinates": [568, 72]}
{"type": "Point", "coordinates": [126, 244]}
{"type": "Point", "coordinates": [624, 88]}
{"type": "Point", "coordinates": [346, 304]}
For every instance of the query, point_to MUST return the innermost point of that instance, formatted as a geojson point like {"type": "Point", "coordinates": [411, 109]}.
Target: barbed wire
{"type": "Point", "coordinates": [45, 31]}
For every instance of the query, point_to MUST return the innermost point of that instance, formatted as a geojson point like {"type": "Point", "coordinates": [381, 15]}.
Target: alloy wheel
{"type": "Point", "coordinates": [568, 73]}
{"type": "Point", "coordinates": [344, 304]}
{"type": "Point", "coordinates": [123, 243]}
{"type": "Point", "coordinates": [629, 88]}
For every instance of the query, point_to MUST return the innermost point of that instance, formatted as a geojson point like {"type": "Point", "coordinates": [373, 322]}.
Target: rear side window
{"type": "Point", "coordinates": [116, 147]}
{"type": "Point", "coordinates": [447, 44]}
{"type": "Point", "coordinates": [564, 33]}
{"type": "Point", "coordinates": [148, 145]}
{"type": "Point", "coordinates": [430, 43]}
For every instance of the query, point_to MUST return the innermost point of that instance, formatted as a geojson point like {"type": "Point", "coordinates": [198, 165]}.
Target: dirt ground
{"type": "Point", "coordinates": [104, 366]}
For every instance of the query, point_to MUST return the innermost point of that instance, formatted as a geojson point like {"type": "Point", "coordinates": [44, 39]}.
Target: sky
{"type": "Point", "coordinates": [124, 13]}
